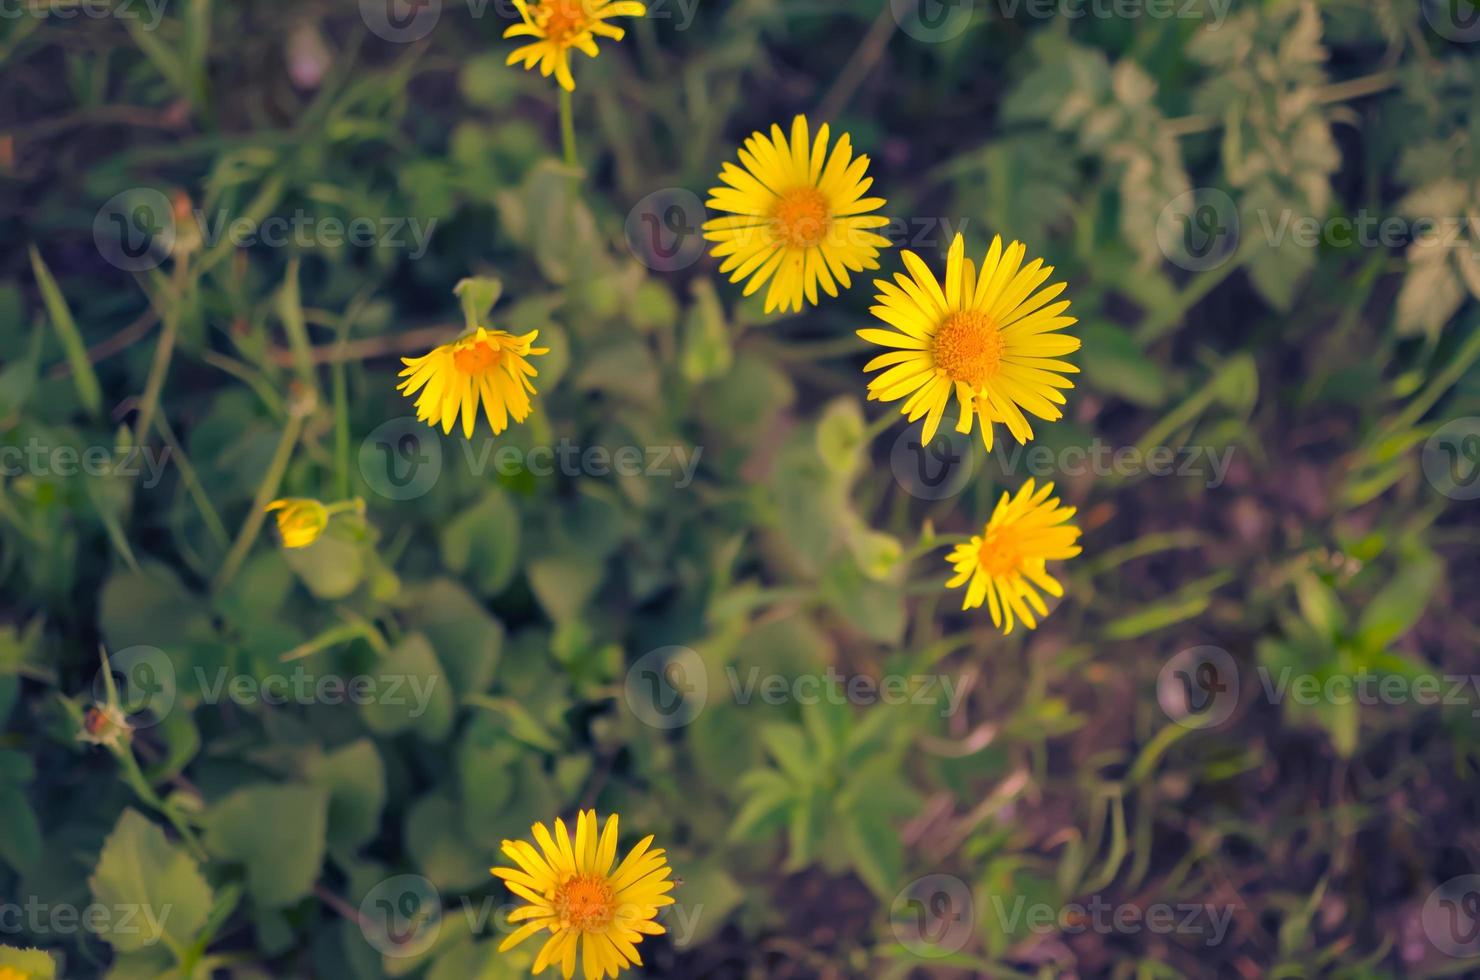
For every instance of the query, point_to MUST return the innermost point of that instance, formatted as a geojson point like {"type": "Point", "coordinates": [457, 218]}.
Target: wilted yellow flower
{"type": "Point", "coordinates": [1006, 561]}
{"type": "Point", "coordinates": [590, 909]}
{"type": "Point", "coordinates": [103, 724]}
{"type": "Point", "coordinates": [564, 24]}
{"type": "Point", "coordinates": [987, 337]}
{"type": "Point", "coordinates": [488, 366]}
{"type": "Point", "coordinates": [300, 520]}
{"type": "Point", "coordinates": [799, 217]}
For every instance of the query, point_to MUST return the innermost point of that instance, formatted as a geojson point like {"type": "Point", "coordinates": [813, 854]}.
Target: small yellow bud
{"type": "Point", "coordinates": [300, 520]}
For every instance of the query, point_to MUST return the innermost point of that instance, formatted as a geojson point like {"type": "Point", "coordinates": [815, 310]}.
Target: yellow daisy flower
{"type": "Point", "coordinates": [590, 909]}
{"type": "Point", "coordinates": [1006, 561]}
{"type": "Point", "coordinates": [487, 365]}
{"type": "Point", "coordinates": [300, 520]}
{"type": "Point", "coordinates": [564, 24]}
{"type": "Point", "coordinates": [799, 216]}
{"type": "Point", "coordinates": [988, 337]}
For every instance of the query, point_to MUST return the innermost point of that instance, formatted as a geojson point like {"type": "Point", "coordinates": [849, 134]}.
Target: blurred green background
{"type": "Point", "coordinates": [1245, 744]}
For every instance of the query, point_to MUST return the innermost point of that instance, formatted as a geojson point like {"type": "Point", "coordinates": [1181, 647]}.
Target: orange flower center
{"type": "Point", "coordinates": [1001, 552]}
{"type": "Point", "coordinates": [586, 901]}
{"type": "Point", "coordinates": [474, 358]}
{"type": "Point", "coordinates": [968, 347]}
{"type": "Point", "coordinates": [562, 20]}
{"type": "Point", "coordinates": [801, 218]}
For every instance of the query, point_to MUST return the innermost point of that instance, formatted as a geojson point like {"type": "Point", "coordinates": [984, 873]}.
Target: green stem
{"type": "Point", "coordinates": [163, 351]}
{"type": "Point", "coordinates": [193, 486]}
{"type": "Point", "coordinates": [266, 491]}
{"type": "Point", "coordinates": [134, 777]}
{"type": "Point", "coordinates": [568, 129]}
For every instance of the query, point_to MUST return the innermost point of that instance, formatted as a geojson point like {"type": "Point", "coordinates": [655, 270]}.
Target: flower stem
{"type": "Point", "coordinates": [267, 490]}
{"type": "Point", "coordinates": [568, 129]}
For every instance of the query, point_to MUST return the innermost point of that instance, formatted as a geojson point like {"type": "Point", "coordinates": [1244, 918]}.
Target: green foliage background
{"type": "Point", "coordinates": [523, 599]}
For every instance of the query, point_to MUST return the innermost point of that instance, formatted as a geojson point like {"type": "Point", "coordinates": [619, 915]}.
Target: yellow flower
{"type": "Point", "coordinates": [799, 216]}
{"type": "Point", "coordinates": [1006, 561]}
{"type": "Point", "coordinates": [300, 520]}
{"type": "Point", "coordinates": [564, 24]}
{"type": "Point", "coordinates": [488, 366]}
{"type": "Point", "coordinates": [11, 973]}
{"type": "Point", "coordinates": [987, 337]}
{"type": "Point", "coordinates": [590, 909]}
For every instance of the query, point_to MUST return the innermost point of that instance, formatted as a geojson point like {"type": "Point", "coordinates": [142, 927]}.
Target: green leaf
{"type": "Point", "coordinates": [354, 778]}
{"type": "Point", "coordinates": [140, 869]}
{"type": "Point", "coordinates": [874, 844]}
{"type": "Point", "coordinates": [1394, 610]}
{"type": "Point", "coordinates": [1431, 294]}
{"type": "Point", "coordinates": [769, 799]}
{"type": "Point", "coordinates": [1114, 363]}
{"type": "Point", "coordinates": [1320, 606]}
{"type": "Point", "coordinates": [482, 543]}
{"type": "Point", "coordinates": [706, 338]}
{"type": "Point", "coordinates": [840, 436]}
{"type": "Point", "coordinates": [20, 832]}
{"type": "Point", "coordinates": [18, 379]}
{"type": "Point", "coordinates": [478, 296]}
{"type": "Point", "coordinates": [278, 833]}
{"type": "Point", "coordinates": [435, 840]}
{"type": "Point", "coordinates": [788, 745]}
{"type": "Point", "coordinates": [83, 376]}
{"type": "Point", "coordinates": [466, 639]}
{"type": "Point", "coordinates": [332, 567]}
{"type": "Point", "coordinates": [413, 694]}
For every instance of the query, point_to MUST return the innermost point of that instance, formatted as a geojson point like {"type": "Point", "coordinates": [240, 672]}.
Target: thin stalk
{"type": "Point", "coordinates": [164, 350]}
{"type": "Point", "coordinates": [266, 491]}
{"type": "Point", "coordinates": [568, 129]}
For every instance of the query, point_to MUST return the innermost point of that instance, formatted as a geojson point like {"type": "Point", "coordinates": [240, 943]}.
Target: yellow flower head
{"type": "Point", "coordinates": [300, 520]}
{"type": "Point", "coordinates": [11, 973]}
{"type": "Point", "coordinates": [564, 24]}
{"type": "Point", "coordinates": [986, 336]}
{"type": "Point", "coordinates": [593, 911]}
{"type": "Point", "coordinates": [799, 216]}
{"type": "Point", "coordinates": [1006, 561]}
{"type": "Point", "coordinates": [490, 366]}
